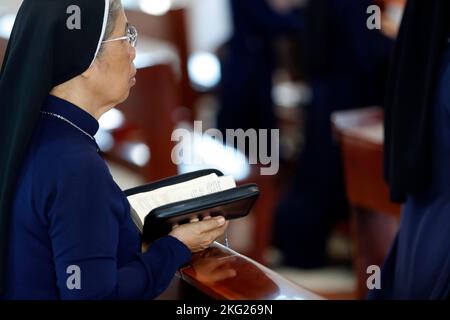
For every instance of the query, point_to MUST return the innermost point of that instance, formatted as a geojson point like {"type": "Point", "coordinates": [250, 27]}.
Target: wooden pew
{"type": "Point", "coordinates": [171, 28]}
{"type": "Point", "coordinates": [375, 219]}
{"type": "Point", "coordinates": [3, 44]}
{"type": "Point", "coordinates": [261, 218]}
{"type": "Point", "coordinates": [3, 40]}
{"type": "Point", "coordinates": [221, 273]}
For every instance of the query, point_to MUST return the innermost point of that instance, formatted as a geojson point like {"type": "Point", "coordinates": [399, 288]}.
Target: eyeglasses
{"type": "Point", "coordinates": [131, 37]}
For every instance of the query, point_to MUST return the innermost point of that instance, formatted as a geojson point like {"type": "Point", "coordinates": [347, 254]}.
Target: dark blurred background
{"type": "Point", "coordinates": [313, 70]}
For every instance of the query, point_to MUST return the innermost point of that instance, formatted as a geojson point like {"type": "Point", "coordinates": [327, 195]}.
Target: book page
{"type": "Point", "coordinates": [145, 202]}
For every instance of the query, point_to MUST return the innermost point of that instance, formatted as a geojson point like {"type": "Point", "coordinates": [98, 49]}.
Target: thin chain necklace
{"type": "Point", "coordinates": [71, 123]}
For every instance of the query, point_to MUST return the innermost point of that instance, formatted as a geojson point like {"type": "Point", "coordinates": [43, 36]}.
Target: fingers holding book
{"type": "Point", "coordinates": [198, 235]}
{"type": "Point", "coordinates": [196, 219]}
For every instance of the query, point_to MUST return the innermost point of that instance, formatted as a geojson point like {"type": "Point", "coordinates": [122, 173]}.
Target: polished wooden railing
{"type": "Point", "coordinates": [221, 273]}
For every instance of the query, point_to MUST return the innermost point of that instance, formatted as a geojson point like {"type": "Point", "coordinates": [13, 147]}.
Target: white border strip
{"type": "Point", "coordinates": [105, 22]}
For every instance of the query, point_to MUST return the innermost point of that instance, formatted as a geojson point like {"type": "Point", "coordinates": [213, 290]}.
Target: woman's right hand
{"type": "Point", "coordinates": [198, 235]}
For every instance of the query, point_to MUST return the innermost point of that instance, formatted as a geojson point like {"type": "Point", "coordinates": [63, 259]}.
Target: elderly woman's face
{"type": "Point", "coordinates": [115, 71]}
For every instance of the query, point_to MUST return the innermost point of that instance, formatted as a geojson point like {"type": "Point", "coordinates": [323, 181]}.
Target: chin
{"type": "Point", "coordinates": [125, 96]}
{"type": "Point", "coordinates": [125, 93]}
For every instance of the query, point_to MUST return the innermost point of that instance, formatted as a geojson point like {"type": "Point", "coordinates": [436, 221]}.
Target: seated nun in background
{"type": "Point", "coordinates": [60, 209]}
{"type": "Point", "coordinates": [417, 154]}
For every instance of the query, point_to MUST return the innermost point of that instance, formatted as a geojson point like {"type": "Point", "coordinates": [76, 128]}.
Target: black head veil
{"type": "Point", "coordinates": [410, 96]}
{"type": "Point", "coordinates": [52, 42]}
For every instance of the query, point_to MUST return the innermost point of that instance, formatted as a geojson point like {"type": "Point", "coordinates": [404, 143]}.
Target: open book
{"type": "Point", "coordinates": [145, 202]}
{"type": "Point", "coordinates": [157, 206]}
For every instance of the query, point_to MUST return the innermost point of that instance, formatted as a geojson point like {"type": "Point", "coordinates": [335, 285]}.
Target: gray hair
{"type": "Point", "coordinates": [114, 8]}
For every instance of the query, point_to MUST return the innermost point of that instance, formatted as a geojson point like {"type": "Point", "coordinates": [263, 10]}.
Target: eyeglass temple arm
{"type": "Point", "coordinates": [116, 39]}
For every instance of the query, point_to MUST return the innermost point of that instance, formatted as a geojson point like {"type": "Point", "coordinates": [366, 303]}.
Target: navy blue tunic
{"type": "Point", "coordinates": [418, 266]}
{"type": "Point", "coordinates": [69, 213]}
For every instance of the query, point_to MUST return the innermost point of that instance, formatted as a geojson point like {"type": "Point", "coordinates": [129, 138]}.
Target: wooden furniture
{"type": "Point", "coordinates": [3, 44]}
{"type": "Point", "coordinates": [3, 39]}
{"type": "Point", "coordinates": [221, 273]}
{"type": "Point", "coordinates": [262, 216]}
{"type": "Point", "coordinates": [375, 219]}
{"type": "Point", "coordinates": [170, 28]}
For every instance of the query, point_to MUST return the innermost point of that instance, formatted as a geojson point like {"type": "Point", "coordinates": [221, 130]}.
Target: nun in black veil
{"type": "Point", "coordinates": [65, 226]}
{"type": "Point", "coordinates": [417, 155]}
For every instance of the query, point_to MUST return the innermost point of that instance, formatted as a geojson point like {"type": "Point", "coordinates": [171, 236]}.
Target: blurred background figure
{"type": "Point", "coordinates": [346, 66]}
{"type": "Point", "coordinates": [248, 62]}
